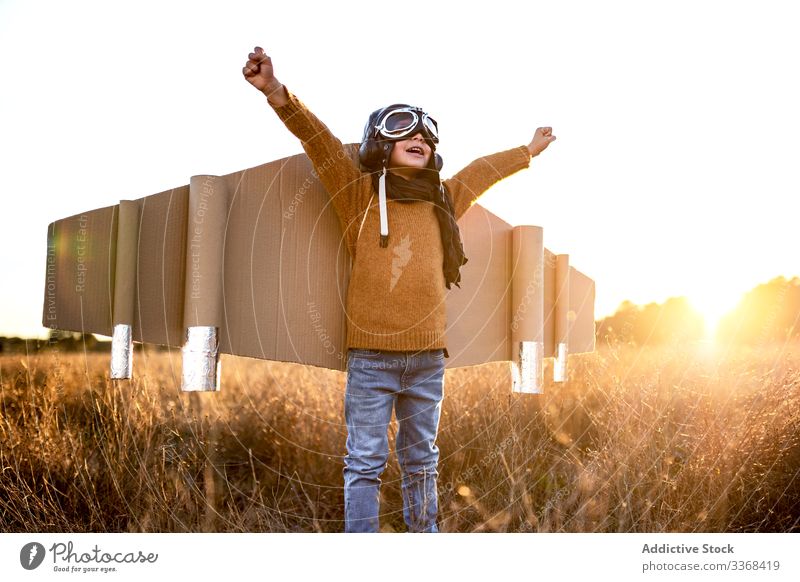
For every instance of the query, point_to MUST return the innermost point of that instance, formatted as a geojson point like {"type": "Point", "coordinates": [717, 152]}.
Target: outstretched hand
{"type": "Point", "coordinates": [542, 138]}
{"type": "Point", "coordinates": [259, 73]}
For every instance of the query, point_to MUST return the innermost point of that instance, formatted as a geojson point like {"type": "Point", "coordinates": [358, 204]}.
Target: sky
{"type": "Point", "coordinates": [674, 171]}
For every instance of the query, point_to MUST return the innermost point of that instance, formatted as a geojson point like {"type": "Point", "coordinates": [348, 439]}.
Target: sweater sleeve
{"type": "Point", "coordinates": [334, 166]}
{"type": "Point", "coordinates": [472, 181]}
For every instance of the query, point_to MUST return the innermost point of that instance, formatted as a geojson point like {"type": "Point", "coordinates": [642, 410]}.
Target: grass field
{"type": "Point", "coordinates": [677, 439]}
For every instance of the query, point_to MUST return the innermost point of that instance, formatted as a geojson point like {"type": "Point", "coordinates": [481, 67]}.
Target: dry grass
{"type": "Point", "coordinates": [651, 440]}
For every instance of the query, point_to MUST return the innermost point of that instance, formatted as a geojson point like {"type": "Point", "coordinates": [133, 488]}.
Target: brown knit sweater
{"type": "Point", "coordinates": [396, 296]}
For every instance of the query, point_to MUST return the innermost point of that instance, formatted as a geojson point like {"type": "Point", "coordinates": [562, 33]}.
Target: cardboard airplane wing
{"type": "Point", "coordinates": [254, 264]}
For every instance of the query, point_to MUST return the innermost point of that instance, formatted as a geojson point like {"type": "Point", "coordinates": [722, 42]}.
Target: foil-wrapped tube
{"type": "Point", "coordinates": [122, 352]}
{"type": "Point", "coordinates": [527, 293]}
{"type": "Point", "coordinates": [561, 318]}
{"type": "Point", "coordinates": [203, 294]}
{"type": "Point", "coordinates": [201, 364]}
{"type": "Point", "coordinates": [528, 368]}
{"type": "Point", "coordinates": [560, 363]}
{"type": "Point", "coordinates": [125, 282]}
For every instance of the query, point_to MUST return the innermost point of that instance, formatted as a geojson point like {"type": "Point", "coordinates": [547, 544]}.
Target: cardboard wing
{"type": "Point", "coordinates": [257, 260]}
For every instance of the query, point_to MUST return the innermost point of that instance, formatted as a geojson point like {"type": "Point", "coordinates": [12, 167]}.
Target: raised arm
{"type": "Point", "coordinates": [471, 182]}
{"type": "Point", "coordinates": [333, 164]}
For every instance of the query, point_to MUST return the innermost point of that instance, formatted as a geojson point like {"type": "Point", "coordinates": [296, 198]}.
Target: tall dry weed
{"type": "Point", "coordinates": [678, 438]}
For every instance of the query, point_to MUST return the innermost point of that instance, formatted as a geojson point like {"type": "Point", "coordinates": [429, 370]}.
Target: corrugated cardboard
{"type": "Point", "coordinates": [259, 254]}
{"type": "Point", "coordinates": [80, 273]}
{"type": "Point", "coordinates": [162, 268]}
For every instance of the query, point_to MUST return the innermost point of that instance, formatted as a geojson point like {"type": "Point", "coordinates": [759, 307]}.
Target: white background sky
{"type": "Point", "coordinates": [674, 172]}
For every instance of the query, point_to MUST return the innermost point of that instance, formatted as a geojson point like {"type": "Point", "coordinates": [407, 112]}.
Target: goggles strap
{"type": "Point", "coordinates": [382, 206]}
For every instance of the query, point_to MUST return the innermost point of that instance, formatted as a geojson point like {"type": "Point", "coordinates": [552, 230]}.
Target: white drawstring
{"type": "Point", "coordinates": [382, 206]}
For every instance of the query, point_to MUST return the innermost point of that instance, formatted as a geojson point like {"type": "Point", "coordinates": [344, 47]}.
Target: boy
{"type": "Point", "coordinates": [406, 251]}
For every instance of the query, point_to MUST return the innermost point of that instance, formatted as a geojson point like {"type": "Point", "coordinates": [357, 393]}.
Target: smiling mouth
{"type": "Point", "coordinates": [416, 151]}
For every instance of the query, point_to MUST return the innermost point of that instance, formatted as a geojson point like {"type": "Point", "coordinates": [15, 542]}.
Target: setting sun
{"type": "Point", "coordinates": [713, 305]}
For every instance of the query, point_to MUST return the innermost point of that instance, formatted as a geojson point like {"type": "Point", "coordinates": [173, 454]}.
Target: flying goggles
{"type": "Point", "coordinates": [398, 123]}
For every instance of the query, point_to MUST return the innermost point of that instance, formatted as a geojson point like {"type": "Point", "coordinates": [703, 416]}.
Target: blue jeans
{"type": "Point", "coordinates": [411, 383]}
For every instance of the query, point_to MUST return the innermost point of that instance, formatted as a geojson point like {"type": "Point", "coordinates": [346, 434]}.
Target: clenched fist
{"type": "Point", "coordinates": [260, 74]}
{"type": "Point", "coordinates": [542, 138]}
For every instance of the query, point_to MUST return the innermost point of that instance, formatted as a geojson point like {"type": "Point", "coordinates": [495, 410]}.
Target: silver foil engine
{"type": "Point", "coordinates": [528, 368]}
{"type": "Point", "coordinates": [560, 364]}
{"type": "Point", "coordinates": [122, 352]}
{"type": "Point", "coordinates": [201, 364]}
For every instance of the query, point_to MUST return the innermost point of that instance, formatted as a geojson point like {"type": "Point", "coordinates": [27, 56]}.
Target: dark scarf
{"type": "Point", "coordinates": [428, 189]}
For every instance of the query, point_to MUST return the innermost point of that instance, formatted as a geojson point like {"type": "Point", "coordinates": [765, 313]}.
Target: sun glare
{"type": "Point", "coordinates": [713, 306]}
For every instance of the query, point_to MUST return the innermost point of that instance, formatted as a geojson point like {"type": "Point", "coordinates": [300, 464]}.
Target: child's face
{"type": "Point", "coordinates": [413, 153]}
